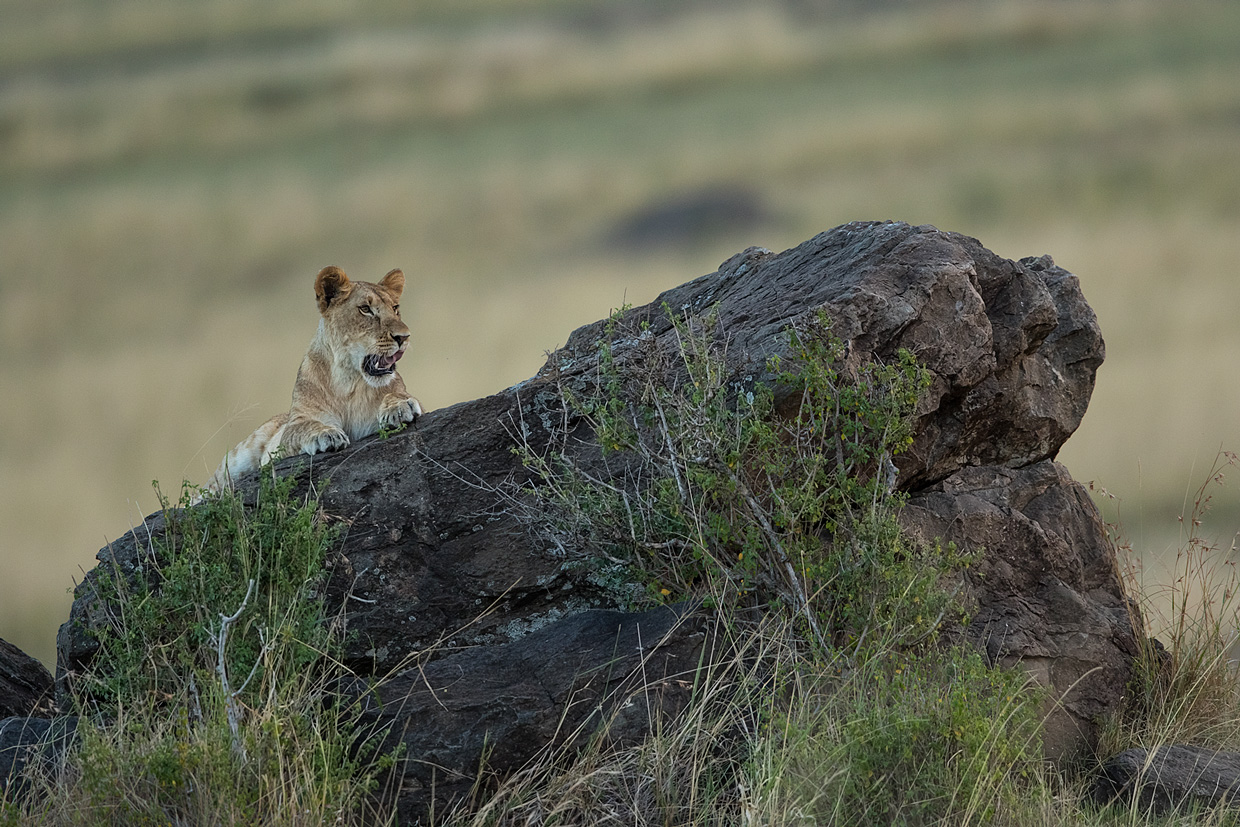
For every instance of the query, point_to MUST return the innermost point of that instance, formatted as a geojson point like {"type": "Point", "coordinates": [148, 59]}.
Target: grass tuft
{"type": "Point", "coordinates": [1186, 689]}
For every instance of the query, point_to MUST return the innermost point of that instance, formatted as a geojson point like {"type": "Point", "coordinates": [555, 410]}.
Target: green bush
{"type": "Point", "coordinates": [215, 557]}
{"type": "Point", "coordinates": [214, 697]}
{"type": "Point", "coordinates": [735, 499]}
{"type": "Point", "coordinates": [931, 738]}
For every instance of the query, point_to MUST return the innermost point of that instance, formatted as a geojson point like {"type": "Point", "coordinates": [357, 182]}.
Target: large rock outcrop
{"type": "Point", "coordinates": [437, 564]}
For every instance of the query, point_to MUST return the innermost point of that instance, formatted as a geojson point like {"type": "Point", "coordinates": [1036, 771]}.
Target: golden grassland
{"type": "Point", "coordinates": [169, 185]}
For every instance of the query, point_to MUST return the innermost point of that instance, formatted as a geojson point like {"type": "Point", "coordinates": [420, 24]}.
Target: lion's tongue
{"type": "Point", "coordinates": [385, 362]}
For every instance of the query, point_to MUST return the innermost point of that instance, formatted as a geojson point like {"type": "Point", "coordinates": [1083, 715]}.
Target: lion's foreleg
{"type": "Point", "coordinates": [397, 409]}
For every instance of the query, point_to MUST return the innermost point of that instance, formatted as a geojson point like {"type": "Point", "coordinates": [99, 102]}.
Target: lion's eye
{"type": "Point", "coordinates": [366, 311]}
{"type": "Point", "coordinates": [396, 309]}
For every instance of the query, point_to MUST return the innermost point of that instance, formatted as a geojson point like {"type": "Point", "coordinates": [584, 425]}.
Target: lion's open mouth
{"type": "Point", "coordinates": [376, 364]}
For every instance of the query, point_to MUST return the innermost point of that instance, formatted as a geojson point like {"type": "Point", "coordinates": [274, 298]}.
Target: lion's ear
{"type": "Point", "coordinates": [331, 285]}
{"type": "Point", "coordinates": [394, 282]}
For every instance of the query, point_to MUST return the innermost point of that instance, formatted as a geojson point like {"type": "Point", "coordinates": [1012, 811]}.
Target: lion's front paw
{"type": "Point", "coordinates": [330, 439]}
{"type": "Point", "coordinates": [397, 412]}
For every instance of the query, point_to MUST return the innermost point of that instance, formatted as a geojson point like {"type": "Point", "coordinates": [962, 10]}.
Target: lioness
{"type": "Point", "coordinates": [347, 387]}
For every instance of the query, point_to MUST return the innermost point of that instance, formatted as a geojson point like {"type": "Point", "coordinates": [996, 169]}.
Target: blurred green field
{"type": "Point", "coordinates": [173, 176]}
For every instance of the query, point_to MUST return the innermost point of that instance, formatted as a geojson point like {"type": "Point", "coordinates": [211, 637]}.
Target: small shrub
{"type": "Point", "coordinates": [725, 498]}
{"type": "Point", "coordinates": [211, 698]}
{"type": "Point", "coordinates": [215, 557]}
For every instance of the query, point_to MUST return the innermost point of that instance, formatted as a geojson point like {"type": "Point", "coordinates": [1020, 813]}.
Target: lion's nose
{"type": "Point", "coordinates": [400, 338]}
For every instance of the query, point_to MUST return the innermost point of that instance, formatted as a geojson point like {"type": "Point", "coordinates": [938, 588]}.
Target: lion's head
{"type": "Point", "coordinates": [361, 322]}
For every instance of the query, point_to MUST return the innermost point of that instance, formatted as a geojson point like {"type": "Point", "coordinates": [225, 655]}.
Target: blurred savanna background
{"type": "Point", "coordinates": [173, 175]}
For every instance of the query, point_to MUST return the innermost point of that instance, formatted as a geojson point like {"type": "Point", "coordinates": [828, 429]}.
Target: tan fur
{"type": "Point", "coordinates": [347, 387]}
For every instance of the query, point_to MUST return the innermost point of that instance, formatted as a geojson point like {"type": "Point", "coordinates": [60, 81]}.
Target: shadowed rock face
{"type": "Point", "coordinates": [436, 561]}
{"type": "Point", "coordinates": [25, 684]}
{"type": "Point", "coordinates": [1045, 589]}
{"type": "Point", "coordinates": [29, 746]}
{"type": "Point", "coordinates": [1170, 779]}
{"type": "Point", "coordinates": [596, 670]}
